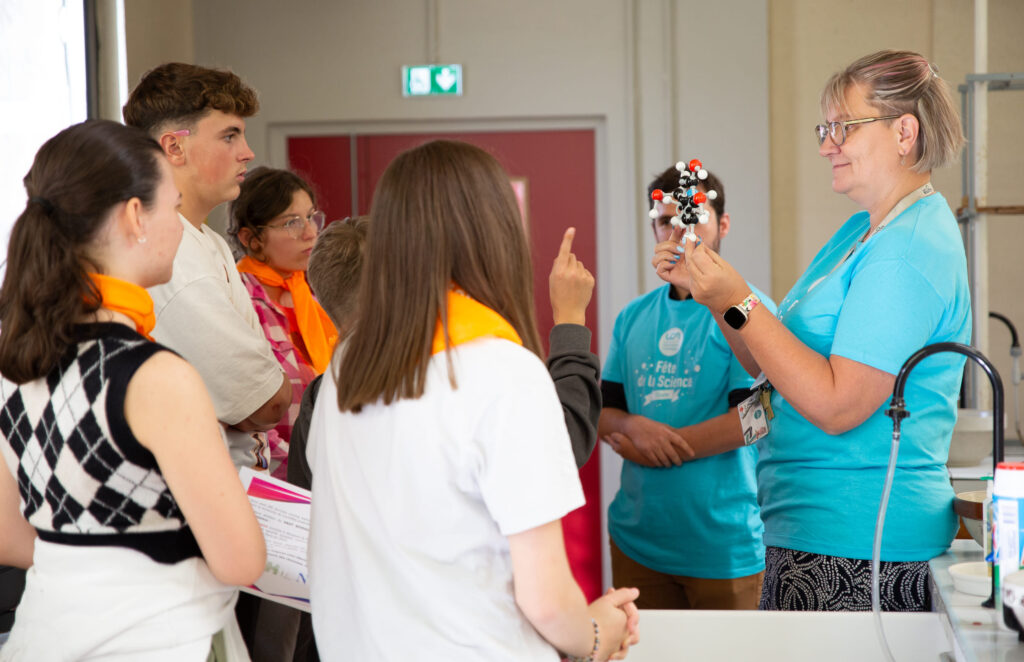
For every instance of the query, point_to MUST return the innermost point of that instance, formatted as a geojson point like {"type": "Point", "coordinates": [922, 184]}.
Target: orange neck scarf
{"type": "Point", "coordinates": [315, 327]}
{"type": "Point", "coordinates": [128, 299]}
{"type": "Point", "coordinates": [469, 319]}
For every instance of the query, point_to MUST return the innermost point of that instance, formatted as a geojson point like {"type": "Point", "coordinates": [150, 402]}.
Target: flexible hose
{"type": "Point", "coordinates": [876, 553]}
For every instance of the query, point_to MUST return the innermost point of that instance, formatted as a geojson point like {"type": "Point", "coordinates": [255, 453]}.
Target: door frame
{"type": "Point", "coordinates": [611, 266]}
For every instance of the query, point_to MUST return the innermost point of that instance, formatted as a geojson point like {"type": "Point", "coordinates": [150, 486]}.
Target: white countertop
{"type": "Point", "coordinates": [978, 636]}
{"type": "Point", "coordinates": [959, 628]}
{"type": "Point", "coordinates": [775, 636]}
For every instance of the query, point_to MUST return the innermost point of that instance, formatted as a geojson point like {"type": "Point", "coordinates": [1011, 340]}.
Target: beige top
{"type": "Point", "coordinates": [205, 314]}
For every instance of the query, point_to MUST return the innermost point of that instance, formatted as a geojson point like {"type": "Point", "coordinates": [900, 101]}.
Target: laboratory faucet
{"type": "Point", "coordinates": [897, 412]}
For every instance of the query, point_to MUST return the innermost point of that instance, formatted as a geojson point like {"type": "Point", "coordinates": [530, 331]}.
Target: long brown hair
{"type": "Point", "coordinates": [442, 213]}
{"type": "Point", "coordinates": [76, 179]}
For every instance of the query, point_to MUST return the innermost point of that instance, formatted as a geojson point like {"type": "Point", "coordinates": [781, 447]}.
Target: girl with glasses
{"type": "Point", "coordinates": [891, 280]}
{"type": "Point", "coordinates": [275, 222]}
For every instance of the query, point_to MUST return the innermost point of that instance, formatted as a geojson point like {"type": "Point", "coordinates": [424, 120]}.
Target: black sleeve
{"type": "Point", "coordinates": [736, 396]}
{"type": "Point", "coordinates": [575, 371]}
{"type": "Point", "coordinates": [614, 395]}
{"type": "Point", "coordinates": [299, 472]}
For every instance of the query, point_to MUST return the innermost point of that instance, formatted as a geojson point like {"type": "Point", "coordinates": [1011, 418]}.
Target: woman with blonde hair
{"type": "Point", "coordinates": [891, 280]}
{"type": "Point", "coordinates": [442, 462]}
{"type": "Point", "coordinates": [118, 490]}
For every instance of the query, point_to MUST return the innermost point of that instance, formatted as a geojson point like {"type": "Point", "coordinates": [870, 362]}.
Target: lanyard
{"type": "Point", "coordinates": [901, 206]}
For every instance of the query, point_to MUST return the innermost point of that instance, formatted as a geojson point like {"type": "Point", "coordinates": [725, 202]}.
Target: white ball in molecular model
{"type": "Point", "coordinates": [702, 174]}
{"type": "Point", "coordinates": [680, 166]}
{"type": "Point", "coordinates": [712, 195]}
{"type": "Point", "coordinates": [653, 213]}
{"type": "Point", "coordinates": [703, 216]}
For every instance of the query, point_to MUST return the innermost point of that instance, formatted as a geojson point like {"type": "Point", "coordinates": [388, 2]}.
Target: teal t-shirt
{"type": "Point", "coordinates": [904, 288]}
{"type": "Point", "coordinates": [699, 519]}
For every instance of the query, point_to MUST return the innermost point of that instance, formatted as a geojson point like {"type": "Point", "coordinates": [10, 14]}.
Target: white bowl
{"type": "Point", "coordinates": [971, 578]}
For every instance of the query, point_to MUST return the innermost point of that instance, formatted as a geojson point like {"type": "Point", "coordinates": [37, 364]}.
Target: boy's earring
{"type": "Point", "coordinates": [142, 239]}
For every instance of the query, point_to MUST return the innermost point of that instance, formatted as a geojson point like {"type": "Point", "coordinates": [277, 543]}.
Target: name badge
{"type": "Point", "coordinates": [756, 411]}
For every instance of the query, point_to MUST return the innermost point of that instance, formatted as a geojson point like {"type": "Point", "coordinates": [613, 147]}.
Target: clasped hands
{"type": "Point", "coordinates": [650, 443]}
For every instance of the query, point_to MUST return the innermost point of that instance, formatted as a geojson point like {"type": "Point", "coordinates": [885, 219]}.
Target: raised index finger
{"type": "Point", "coordinates": [566, 248]}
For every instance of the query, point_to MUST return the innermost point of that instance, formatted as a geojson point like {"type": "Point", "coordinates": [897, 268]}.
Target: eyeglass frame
{"type": "Point", "coordinates": [825, 130]}
{"type": "Point", "coordinates": [296, 233]}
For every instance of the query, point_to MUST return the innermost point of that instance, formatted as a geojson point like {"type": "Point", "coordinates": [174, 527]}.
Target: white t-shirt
{"type": "Point", "coordinates": [205, 314]}
{"type": "Point", "coordinates": [412, 503]}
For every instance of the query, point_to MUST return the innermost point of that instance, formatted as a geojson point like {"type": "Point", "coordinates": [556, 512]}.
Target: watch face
{"type": "Point", "coordinates": [735, 317]}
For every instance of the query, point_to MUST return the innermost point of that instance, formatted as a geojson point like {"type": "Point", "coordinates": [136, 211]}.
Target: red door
{"type": "Point", "coordinates": [554, 173]}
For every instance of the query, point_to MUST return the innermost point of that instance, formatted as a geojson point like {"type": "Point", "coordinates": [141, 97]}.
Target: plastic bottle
{"type": "Point", "coordinates": [1008, 508]}
{"type": "Point", "coordinates": [988, 530]}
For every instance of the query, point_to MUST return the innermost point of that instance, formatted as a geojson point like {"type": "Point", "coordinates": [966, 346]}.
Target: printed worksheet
{"type": "Point", "coordinates": [283, 513]}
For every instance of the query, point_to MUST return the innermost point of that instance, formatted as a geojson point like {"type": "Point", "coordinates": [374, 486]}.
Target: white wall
{"type": "Point", "coordinates": [157, 31]}
{"type": "Point", "coordinates": [319, 61]}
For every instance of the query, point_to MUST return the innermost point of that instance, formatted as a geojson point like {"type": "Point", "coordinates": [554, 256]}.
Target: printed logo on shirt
{"type": "Point", "coordinates": [671, 341]}
{"type": "Point", "coordinates": [662, 382]}
{"type": "Point", "coordinates": [670, 394]}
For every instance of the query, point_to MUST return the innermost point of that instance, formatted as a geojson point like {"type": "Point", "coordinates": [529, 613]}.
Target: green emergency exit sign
{"type": "Point", "coordinates": [428, 80]}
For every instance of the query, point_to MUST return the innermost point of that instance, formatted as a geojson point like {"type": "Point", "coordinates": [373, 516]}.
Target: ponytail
{"type": "Point", "coordinates": [44, 294]}
{"type": "Point", "coordinates": [75, 181]}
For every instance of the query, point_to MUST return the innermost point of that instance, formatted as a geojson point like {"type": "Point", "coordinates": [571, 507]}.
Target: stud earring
{"type": "Point", "coordinates": [142, 240]}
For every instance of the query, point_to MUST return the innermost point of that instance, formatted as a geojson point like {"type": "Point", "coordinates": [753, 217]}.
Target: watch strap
{"type": "Point", "coordinates": [750, 302]}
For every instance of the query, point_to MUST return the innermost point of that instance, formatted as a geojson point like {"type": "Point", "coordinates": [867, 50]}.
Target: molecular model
{"type": "Point", "coordinates": [687, 199]}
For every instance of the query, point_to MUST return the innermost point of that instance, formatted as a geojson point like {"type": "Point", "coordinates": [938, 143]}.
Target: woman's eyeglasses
{"type": "Point", "coordinates": [296, 225]}
{"type": "Point", "coordinates": [837, 130]}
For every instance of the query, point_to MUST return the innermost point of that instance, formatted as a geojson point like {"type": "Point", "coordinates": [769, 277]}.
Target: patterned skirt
{"type": "Point", "coordinates": [802, 581]}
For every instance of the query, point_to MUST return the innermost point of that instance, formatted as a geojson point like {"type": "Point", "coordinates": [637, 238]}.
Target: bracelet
{"type": "Point", "coordinates": [593, 653]}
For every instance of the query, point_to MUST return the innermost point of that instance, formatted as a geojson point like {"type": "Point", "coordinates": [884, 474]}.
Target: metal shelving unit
{"type": "Point", "coordinates": [969, 210]}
